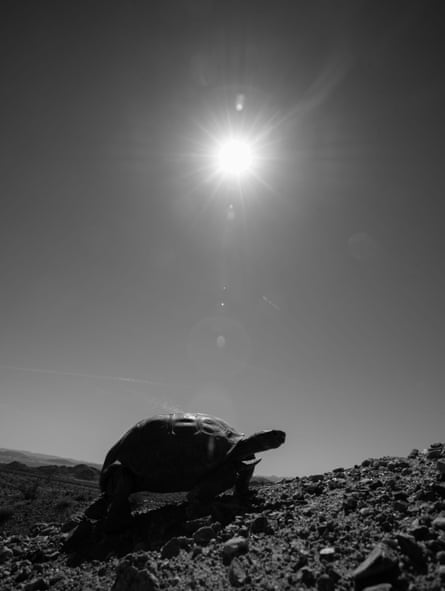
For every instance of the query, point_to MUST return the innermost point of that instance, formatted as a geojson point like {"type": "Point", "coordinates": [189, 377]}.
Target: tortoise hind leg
{"type": "Point", "coordinates": [109, 482]}
{"type": "Point", "coordinates": [119, 485]}
{"type": "Point", "coordinates": [98, 508]}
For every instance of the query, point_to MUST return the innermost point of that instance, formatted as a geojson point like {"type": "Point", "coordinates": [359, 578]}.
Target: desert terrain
{"type": "Point", "coordinates": [378, 525]}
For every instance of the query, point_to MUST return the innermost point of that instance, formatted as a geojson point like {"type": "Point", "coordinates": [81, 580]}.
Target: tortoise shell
{"type": "Point", "coordinates": [173, 451]}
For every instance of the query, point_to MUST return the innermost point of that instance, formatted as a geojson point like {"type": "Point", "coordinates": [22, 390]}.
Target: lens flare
{"type": "Point", "coordinates": [239, 103]}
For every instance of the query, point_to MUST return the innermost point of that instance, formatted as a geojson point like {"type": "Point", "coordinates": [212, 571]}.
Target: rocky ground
{"type": "Point", "coordinates": [379, 525]}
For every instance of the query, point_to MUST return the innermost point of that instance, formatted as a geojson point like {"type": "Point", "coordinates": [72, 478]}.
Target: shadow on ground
{"type": "Point", "coordinates": [89, 540]}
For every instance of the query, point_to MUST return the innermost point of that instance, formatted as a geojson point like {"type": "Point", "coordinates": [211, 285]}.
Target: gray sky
{"type": "Point", "coordinates": [134, 281]}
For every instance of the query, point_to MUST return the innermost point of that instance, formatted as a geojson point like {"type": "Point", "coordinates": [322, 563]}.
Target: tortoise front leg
{"type": "Point", "coordinates": [244, 476]}
{"type": "Point", "coordinates": [230, 474]}
{"type": "Point", "coordinates": [221, 479]}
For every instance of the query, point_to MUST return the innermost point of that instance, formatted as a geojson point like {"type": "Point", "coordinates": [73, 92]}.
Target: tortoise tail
{"type": "Point", "coordinates": [110, 458]}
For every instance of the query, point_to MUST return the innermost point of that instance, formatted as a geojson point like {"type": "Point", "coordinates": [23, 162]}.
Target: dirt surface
{"type": "Point", "coordinates": [379, 525]}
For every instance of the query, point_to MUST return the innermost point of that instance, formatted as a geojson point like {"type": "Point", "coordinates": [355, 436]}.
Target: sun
{"type": "Point", "coordinates": [234, 157]}
{"type": "Point", "coordinates": [233, 154]}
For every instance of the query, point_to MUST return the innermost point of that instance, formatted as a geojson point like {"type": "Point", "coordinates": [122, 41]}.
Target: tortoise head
{"type": "Point", "coordinates": [270, 439]}
{"type": "Point", "coordinates": [261, 441]}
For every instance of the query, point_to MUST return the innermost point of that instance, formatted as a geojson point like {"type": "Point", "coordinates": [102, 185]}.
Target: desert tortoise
{"type": "Point", "coordinates": [174, 452]}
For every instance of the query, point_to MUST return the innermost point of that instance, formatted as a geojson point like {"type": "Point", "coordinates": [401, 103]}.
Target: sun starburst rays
{"type": "Point", "coordinates": [232, 155]}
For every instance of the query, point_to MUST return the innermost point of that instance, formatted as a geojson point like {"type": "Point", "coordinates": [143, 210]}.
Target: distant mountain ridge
{"type": "Point", "coordinates": [48, 464]}
{"type": "Point", "coordinates": [35, 460]}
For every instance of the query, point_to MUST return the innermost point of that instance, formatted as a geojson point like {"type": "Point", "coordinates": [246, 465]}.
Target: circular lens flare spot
{"type": "Point", "coordinates": [234, 157]}
{"type": "Point", "coordinates": [220, 342]}
{"type": "Point", "coordinates": [230, 212]}
{"type": "Point", "coordinates": [239, 103]}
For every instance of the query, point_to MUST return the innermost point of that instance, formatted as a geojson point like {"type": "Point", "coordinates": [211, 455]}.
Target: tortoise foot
{"type": "Point", "coordinates": [117, 523]}
{"type": "Point", "coordinates": [197, 509]}
{"type": "Point", "coordinates": [98, 509]}
{"type": "Point", "coordinates": [245, 497]}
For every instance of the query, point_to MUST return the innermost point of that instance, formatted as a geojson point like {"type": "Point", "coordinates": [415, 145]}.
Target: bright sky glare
{"type": "Point", "coordinates": [235, 157]}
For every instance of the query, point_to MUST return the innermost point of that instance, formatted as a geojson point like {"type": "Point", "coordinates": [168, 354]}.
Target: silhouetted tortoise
{"type": "Point", "coordinates": [179, 452]}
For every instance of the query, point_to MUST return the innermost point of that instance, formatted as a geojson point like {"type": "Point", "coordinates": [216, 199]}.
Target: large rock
{"type": "Point", "coordinates": [130, 578]}
{"type": "Point", "coordinates": [380, 566]}
{"type": "Point", "coordinates": [234, 547]}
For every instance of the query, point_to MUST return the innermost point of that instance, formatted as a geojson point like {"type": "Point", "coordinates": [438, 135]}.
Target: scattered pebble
{"type": "Point", "coordinates": [203, 535]}
{"type": "Point", "coordinates": [237, 574]}
{"type": "Point", "coordinates": [5, 554]}
{"type": "Point", "coordinates": [441, 466]}
{"type": "Point", "coordinates": [439, 522]}
{"type": "Point", "coordinates": [39, 584]}
{"type": "Point", "coordinates": [260, 525]}
{"type": "Point", "coordinates": [327, 553]}
{"type": "Point", "coordinates": [171, 548]}
{"type": "Point", "coordinates": [234, 547]}
{"type": "Point", "coordinates": [325, 583]}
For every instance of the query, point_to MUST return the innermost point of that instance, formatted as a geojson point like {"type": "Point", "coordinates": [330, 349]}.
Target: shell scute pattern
{"type": "Point", "coordinates": [188, 425]}
{"type": "Point", "coordinates": [211, 435]}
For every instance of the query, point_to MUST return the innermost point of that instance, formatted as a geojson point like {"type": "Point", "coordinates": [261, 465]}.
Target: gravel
{"type": "Point", "coordinates": [377, 526]}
